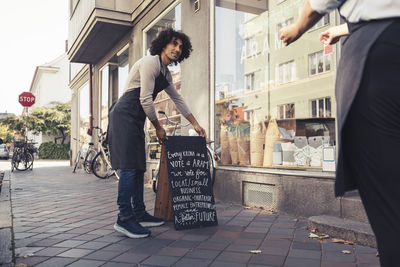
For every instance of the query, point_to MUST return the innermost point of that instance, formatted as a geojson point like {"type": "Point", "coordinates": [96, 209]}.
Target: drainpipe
{"type": "Point", "coordinates": [89, 132]}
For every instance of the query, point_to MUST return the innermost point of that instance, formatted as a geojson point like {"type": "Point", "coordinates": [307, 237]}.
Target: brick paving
{"type": "Point", "coordinates": [65, 219]}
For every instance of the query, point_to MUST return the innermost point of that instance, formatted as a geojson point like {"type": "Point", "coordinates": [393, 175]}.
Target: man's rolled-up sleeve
{"type": "Point", "coordinates": [148, 71]}
{"type": "Point", "coordinates": [177, 98]}
{"type": "Point", "coordinates": [325, 6]}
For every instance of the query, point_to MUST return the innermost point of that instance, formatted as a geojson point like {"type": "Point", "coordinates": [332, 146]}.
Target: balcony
{"type": "Point", "coordinates": [95, 26]}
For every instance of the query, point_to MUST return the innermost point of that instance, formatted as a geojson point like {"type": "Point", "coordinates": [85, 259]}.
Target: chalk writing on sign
{"type": "Point", "coordinates": [190, 182]}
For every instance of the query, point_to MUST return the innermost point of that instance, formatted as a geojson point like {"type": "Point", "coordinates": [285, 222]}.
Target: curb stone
{"type": "Point", "coordinates": [6, 248]}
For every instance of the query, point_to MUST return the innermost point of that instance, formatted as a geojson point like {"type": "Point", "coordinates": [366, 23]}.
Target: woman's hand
{"type": "Point", "coordinates": [289, 34]}
{"type": "Point", "coordinates": [161, 135]}
{"type": "Point", "coordinates": [333, 34]}
{"type": "Point", "coordinates": [308, 17]}
{"type": "Point", "coordinates": [327, 37]}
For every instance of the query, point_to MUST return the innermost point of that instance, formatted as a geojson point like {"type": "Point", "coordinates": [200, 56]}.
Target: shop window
{"type": "Point", "coordinates": [321, 108]}
{"type": "Point", "coordinates": [319, 63]}
{"type": "Point", "coordinates": [263, 99]}
{"type": "Point", "coordinates": [171, 18]}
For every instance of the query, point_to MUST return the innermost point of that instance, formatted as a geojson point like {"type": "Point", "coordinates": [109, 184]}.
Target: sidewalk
{"type": "Point", "coordinates": [66, 219]}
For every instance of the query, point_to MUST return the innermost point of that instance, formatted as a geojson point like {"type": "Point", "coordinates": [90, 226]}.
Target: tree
{"type": "Point", "coordinates": [6, 134]}
{"type": "Point", "coordinates": [53, 120]}
{"type": "Point", "coordinates": [15, 123]}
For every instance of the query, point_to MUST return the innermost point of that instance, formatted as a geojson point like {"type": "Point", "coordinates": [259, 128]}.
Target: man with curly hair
{"type": "Point", "coordinates": [147, 77]}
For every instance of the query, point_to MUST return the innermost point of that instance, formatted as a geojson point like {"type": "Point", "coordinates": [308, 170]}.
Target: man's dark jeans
{"type": "Point", "coordinates": [130, 194]}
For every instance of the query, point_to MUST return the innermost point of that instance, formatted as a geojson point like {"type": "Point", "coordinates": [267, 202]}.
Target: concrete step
{"type": "Point", "coordinates": [352, 207]}
{"type": "Point", "coordinates": [349, 230]}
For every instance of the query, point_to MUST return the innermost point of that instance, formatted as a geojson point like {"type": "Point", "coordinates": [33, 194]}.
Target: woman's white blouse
{"type": "Point", "coordinates": [359, 10]}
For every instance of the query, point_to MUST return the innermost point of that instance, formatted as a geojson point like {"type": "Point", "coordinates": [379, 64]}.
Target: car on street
{"type": "Point", "coordinates": [4, 154]}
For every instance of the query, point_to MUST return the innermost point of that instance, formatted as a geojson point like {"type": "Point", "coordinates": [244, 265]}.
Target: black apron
{"type": "Point", "coordinates": [126, 135]}
{"type": "Point", "coordinates": [354, 53]}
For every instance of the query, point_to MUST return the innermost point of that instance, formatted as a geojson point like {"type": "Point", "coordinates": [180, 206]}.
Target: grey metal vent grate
{"type": "Point", "coordinates": [259, 195]}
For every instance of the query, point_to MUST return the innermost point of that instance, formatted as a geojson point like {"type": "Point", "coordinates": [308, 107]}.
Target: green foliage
{"type": "Point", "coordinates": [16, 123]}
{"type": "Point", "coordinates": [52, 120]}
{"type": "Point", "coordinates": [50, 150]}
{"type": "Point", "coordinates": [55, 120]}
{"type": "Point", "coordinates": [6, 134]}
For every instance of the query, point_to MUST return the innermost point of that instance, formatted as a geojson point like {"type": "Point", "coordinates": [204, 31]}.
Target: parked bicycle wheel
{"type": "Point", "coordinates": [87, 163]}
{"type": "Point", "coordinates": [78, 156]}
{"type": "Point", "coordinates": [100, 167]}
{"type": "Point", "coordinates": [24, 162]}
{"type": "Point", "coordinates": [212, 167]}
{"type": "Point", "coordinates": [155, 179]}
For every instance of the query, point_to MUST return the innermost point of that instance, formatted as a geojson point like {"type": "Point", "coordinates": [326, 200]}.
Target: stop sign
{"type": "Point", "coordinates": [26, 99]}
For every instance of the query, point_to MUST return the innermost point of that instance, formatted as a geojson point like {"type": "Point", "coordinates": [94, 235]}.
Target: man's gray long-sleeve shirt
{"type": "Point", "coordinates": [143, 74]}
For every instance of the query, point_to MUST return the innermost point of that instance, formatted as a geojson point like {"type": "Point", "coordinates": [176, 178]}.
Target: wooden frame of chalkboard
{"type": "Point", "coordinates": [190, 182]}
{"type": "Point", "coordinates": [162, 206]}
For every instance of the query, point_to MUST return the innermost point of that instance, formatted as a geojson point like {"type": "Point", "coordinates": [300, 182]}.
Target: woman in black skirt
{"type": "Point", "coordinates": [368, 110]}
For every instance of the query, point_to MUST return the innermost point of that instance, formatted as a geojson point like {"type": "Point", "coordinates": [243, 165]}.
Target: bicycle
{"type": "Point", "coordinates": [213, 157]}
{"type": "Point", "coordinates": [101, 164]}
{"type": "Point", "coordinates": [87, 157]}
{"type": "Point", "coordinates": [22, 158]}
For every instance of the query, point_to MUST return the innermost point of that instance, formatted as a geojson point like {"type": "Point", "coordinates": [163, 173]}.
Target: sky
{"type": "Point", "coordinates": [32, 33]}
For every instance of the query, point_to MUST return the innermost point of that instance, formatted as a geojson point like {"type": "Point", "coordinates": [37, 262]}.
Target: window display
{"type": "Point", "coordinates": [271, 109]}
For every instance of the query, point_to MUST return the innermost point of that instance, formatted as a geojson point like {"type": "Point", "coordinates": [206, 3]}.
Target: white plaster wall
{"type": "Point", "coordinates": [53, 86]}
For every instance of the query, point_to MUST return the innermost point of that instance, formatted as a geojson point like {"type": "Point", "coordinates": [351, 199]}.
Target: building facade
{"type": "Point", "coordinates": [269, 108]}
{"type": "Point", "coordinates": [50, 84]}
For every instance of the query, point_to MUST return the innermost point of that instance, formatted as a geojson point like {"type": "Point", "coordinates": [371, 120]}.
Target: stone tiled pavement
{"type": "Point", "coordinates": [65, 219]}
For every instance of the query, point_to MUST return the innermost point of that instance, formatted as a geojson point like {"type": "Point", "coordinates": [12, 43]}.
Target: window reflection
{"type": "Point", "coordinates": [84, 115]}
{"type": "Point", "coordinates": [105, 87]}
{"type": "Point", "coordinates": [113, 77]}
{"type": "Point", "coordinates": [271, 104]}
{"type": "Point", "coordinates": [319, 63]}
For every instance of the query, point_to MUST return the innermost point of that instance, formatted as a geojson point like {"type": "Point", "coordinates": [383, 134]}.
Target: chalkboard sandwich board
{"type": "Point", "coordinates": [190, 182]}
